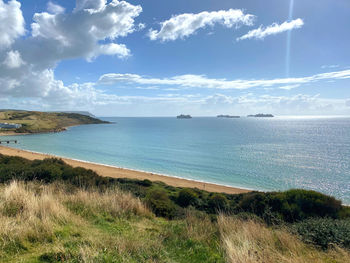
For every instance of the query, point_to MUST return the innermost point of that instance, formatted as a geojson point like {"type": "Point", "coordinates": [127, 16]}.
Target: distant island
{"type": "Point", "coordinates": [183, 116]}
{"type": "Point", "coordinates": [24, 122]}
{"type": "Point", "coordinates": [261, 115]}
{"type": "Point", "coordinates": [227, 116]}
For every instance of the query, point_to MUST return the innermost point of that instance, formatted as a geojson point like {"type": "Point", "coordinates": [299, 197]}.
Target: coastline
{"type": "Point", "coordinates": [12, 133]}
{"type": "Point", "coordinates": [118, 172]}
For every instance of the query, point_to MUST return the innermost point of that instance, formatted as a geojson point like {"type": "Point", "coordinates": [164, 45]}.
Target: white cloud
{"type": "Point", "coordinates": [201, 81]}
{"type": "Point", "coordinates": [289, 87]}
{"type": "Point", "coordinates": [141, 26]}
{"type": "Point", "coordinates": [148, 88]}
{"type": "Point", "coordinates": [300, 104]}
{"type": "Point", "coordinates": [90, 5]}
{"type": "Point", "coordinates": [184, 25]}
{"type": "Point", "coordinates": [220, 99]}
{"type": "Point", "coordinates": [13, 59]}
{"type": "Point", "coordinates": [261, 32]}
{"type": "Point", "coordinates": [119, 50]}
{"type": "Point", "coordinates": [27, 69]}
{"type": "Point", "coordinates": [11, 23]}
{"type": "Point", "coordinates": [54, 8]}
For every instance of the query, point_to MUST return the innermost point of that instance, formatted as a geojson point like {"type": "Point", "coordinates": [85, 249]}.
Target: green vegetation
{"type": "Point", "coordinates": [58, 223]}
{"type": "Point", "coordinates": [37, 122]}
{"type": "Point", "coordinates": [325, 232]}
{"type": "Point", "coordinates": [52, 212]}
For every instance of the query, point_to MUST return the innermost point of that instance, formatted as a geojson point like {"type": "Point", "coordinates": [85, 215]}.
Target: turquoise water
{"type": "Point", "coordinates": [263, 154]}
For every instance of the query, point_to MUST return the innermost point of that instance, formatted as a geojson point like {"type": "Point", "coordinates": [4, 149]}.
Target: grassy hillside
{"type": "Point", "coordinates": [36, 122]}
{"type": "Point", "coordinates": [58, 223]}
{"type": "Point", "coordinates": [52, 212]}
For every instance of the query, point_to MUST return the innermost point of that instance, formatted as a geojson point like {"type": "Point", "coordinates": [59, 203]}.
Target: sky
{"type": "Point", "coordinates": [164, 58]}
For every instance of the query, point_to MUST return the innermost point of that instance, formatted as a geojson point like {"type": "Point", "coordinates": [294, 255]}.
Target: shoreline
{"type": "Point", "coordinates": [119, 172]}
{"type": "Point", "coordinates": [12, 133]}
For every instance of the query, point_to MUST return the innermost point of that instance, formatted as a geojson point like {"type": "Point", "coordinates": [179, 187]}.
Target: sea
{"type": "Point", "coordinates": [265, 154]}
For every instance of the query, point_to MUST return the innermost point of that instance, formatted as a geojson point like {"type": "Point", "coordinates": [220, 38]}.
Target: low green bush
{"type": "Point", "coordinates": [160, 203]}
{"type": "Point", "coordinates": [291, 206]}
{"type": "Point", "coordinates": [325, 232]}
{"type": "Point", "coordinates": [217, 203]}
{"type": "Point", "coordinates": [186, 197]}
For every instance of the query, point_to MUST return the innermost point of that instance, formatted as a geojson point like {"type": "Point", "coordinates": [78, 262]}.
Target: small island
{"type": "Point", "coordinates": [261, 115]}
{"type": "Point", "coordinates": [183, 116]}
{"type": "Point", "coordinates": [27, 122]}
{"type": "Point", "coordinates": [228, 116]}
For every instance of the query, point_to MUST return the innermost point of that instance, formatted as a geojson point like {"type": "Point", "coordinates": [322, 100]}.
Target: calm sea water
{"type": "Point", "coordinates": [254, 153]}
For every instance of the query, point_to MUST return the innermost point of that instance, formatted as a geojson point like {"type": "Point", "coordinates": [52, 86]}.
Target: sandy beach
{"type": "Point", "coordinates": [116, 172]}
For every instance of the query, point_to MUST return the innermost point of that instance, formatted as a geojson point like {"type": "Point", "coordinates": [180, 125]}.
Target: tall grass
{"type": "Point", "coordinates": [112, 201]}
{"type": "Point", "coordinates": [251, 242]}
{"type": "Point", "coordinates": [28, 214]}
{"type": "Point", "coordinates": [58, 222]}
{"type": "Point", "coordinates": [31, 213]}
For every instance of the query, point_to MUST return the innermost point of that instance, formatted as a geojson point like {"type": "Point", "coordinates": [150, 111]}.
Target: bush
{"type": "Point", "coordinates": [160, 203]}
{"type": "Point", "coordinates": [291, 206]}
{"type": "Point", "coordinates": [48, 171]}
{"type": "Point", "coordinates": [186, 197]}
{"type": "Point", "coordinates": [217, 203]}
{"type": "Point", "coordinates": [146, 183]}
{"type": "Point", "coordinates": [325, 232]}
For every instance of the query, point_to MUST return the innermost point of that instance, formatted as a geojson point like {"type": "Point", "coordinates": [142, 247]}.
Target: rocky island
{"type": "Point", "coordinates": [183, 116]}
{"type": "Point", "coordinates": [261, 115]}
{"type": "Point", "coordinates": [27, 122]}
{"type": "Point", "coordinates": [228, 116]}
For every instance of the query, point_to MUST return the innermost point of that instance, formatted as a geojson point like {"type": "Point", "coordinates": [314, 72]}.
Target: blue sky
{"type": "Point", "coordinates": [162, 58]}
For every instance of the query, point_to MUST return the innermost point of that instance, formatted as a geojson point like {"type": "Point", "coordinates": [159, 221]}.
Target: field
{"type": "Point", "coordinates": [37, 122]}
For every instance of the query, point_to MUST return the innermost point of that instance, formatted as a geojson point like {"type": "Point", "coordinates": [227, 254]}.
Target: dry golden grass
{"type": "Point", "coordinates": [252, 242]}
{"type": "Point", "coordinates": [114, 202]}
{"type": "Point", "coordinates": [30, 213]}
{"type": "Point", "coordinates": [199, 226]}
{"type": "Point", "coordinates": [28, 216]}
{"type": "Point", "coordinates": [59, 222]}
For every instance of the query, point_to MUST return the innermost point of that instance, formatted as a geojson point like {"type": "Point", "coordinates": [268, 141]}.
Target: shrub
{"type": "Point", "coordinates": [146, 183]}
{"type": "Point", "coordinates": [325, 232]}
{"type": "Point", "coordinates": [160, 203]}
{"type": "Point", "coordinates": [290, 206]}
{"type": "Point", "coordinates": [217, 202]}
{"type": "Point", "coordinates": [186, 197]}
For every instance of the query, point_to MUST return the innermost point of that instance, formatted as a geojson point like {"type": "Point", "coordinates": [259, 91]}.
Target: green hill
{"type": "Point", "coordinates": [38, 122]}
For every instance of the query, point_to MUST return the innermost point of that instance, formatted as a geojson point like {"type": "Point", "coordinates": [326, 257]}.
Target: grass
{"type": "Point", "coordinates": [54, 223]}
{"type": "Point", "coordinates": [250, 241]}
{"type": "Point", "coordinates": [35, 122]}
{"type": "Point", "coordinates": [52, 212]}
{"type": "Point", "coordinates": [61, 223]}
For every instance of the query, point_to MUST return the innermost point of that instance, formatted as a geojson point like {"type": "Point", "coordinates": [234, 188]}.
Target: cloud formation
{"type": "Point", "coordinates": [184, 25]}
{"type": "Point", "coordinates": [201, 81]}
{"type": "Point", "coordinates": [262, 32]}
{"type": "Point", "coordinates": [54, 9]}
{"type": "Point", "coordinates": [13, 59]}
{"type": "Point", "coordinates": [27, 64]}
{"type": "Point", "coordinates": [11, 23]}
